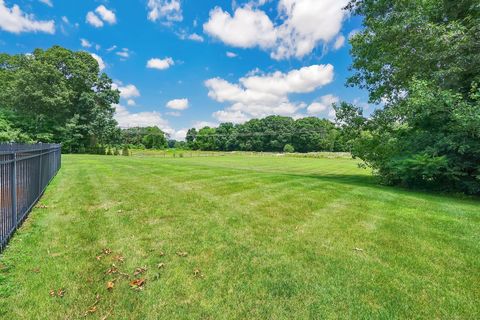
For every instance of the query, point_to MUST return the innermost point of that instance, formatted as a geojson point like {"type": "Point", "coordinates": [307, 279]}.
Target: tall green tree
{"type": "Point", "coordinates": [59, 95]}
{"type": "Point", "coordinates": [421, 59]}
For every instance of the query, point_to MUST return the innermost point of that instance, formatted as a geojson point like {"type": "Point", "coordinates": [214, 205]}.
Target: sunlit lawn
{"type": "Point", "coordinates": [240, 237]}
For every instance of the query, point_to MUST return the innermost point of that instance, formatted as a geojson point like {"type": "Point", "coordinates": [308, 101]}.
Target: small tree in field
{"type": "Point", "coordinates": [288, 148]}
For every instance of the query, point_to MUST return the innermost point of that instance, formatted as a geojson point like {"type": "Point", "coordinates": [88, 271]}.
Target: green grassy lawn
{"type": "Point", "coordinates": [238, 237]}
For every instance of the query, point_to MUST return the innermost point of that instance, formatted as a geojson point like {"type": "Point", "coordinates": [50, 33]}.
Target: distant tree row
{"type": "Point", "coordinates": [273, 133]}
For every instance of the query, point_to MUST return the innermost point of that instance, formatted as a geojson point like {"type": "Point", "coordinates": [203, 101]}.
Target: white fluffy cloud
{"type": "Point", "coordinates": [324, 106]}
{"type": "Point", "coordinates": [167, 11]}
{"type": "Point", "coordinates": [339, 42]}
{"type": "Point", "coordinates": [101, 63]}
{"type": "Point", "coordinates": [15, 21]}
{"type": "Point", "coordinates": [195, 37]}
{"type": "Point", "coordinates": [201, 124]}
{"type": "Point", "coordinates": [127, 119]}
{"type": "Point", "coordinates": [160, 64]}
{"type": "Point", "coordinates": [106, 15]}
{"type": "Point", "coordinates": [100, 15]}
{"type": "Point", "coordinates": [231, 54]}
{"type": "Point", "coordinates": [303, 25]}
{"type": "Point", "coordinates": [47, 2]}
{"type": "Point", "coordinates": [85, 43]}
{"type": "Point", "coordinates": [93, 20]}
{"type": "Point", "coordinates": [247, 28]}
{"type": "Point", "coordinates": [230, 116]}
{"type": "Point", "coordinates": [128, 91]}
{"type": "Point", "coordinates": [178, 104]}
{"type": "Point", "coordinates": [260, 95]}
{"type": "Point", "coordinates": [124, 53]}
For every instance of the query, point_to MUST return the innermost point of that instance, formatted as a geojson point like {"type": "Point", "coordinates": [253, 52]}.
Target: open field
{"type": "Point", "coordinates": [238, 237]}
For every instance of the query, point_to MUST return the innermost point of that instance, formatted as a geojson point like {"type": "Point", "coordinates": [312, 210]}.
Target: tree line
{"type": "Point", "coordinates": [270, 134]}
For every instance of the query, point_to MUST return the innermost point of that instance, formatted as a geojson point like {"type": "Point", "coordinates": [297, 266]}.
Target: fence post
{"type": "Point", "coordinates": [14, 189]}
{"type": "Point", "coordinates": [40, 174]}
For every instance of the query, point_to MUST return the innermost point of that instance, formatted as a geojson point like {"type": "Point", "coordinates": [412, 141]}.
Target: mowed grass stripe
{"type": "Point", "coordinates": [273, 238]}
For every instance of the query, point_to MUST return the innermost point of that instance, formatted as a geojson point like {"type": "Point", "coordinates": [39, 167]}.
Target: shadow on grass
{"type": "Point", "coordinates": [370, 181]}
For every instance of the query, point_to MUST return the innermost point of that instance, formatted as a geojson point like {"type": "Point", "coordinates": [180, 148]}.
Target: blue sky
{"type": "Point", "coordinates": [185, 63]}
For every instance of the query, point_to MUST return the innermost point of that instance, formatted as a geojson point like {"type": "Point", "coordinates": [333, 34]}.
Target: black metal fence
{"type": "Point", "coordinates": [25, 172]}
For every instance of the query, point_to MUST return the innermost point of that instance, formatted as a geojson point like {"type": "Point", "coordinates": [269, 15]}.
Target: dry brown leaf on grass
{"type": "Point", "coordinates": [60, 292]}
{"type": "Point", "coordinates": [41, 206]}
{"type": "Point", "coordinates": [161, 253]}
{"type": "Point", "coordinates": [197, 273]}
{"type": "Point", "coordinates": [358, 249]}
{"type": "Point", "coordinates": [137, 283]}
{"type": "Point", "coordinates": [110, 285]}
{"type": "Point", "coordinates": [139, 271]}
{"type": "Point", "coordinates": [161, 265]}
{"type": "Point", "coordinates": [119, 258]}
{"type": "Point", "coordinates": [104, 252]}
{"type": "Point", "coordinates": [113, 269]}
{"type": "Point", "coordinates": [90, 310]}
{"type": "Point", "coordinates": [93, 307]}
{"type": "Point", "coordinates": [182, 253]}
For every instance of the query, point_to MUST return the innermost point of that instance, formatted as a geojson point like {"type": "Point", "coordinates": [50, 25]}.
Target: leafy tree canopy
{"type": "Point", "coordinates": [422, 60]}
{"type": "Point", "coordinates": [58, 95]}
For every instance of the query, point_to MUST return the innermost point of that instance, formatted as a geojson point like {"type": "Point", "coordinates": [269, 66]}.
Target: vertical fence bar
{"type": "Point", "coordinates": [14, 190]}
{"type": "Point", "coordinates": [40, 173]}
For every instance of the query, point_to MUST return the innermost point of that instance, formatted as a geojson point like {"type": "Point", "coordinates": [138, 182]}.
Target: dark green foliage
{"type": "Point", "coordinates": [125, 151]}
{"type": "Point", "coordinates": [422, 59]}
{"type": "Point", "coordinates": [9, 134]}
{"type": "Point", "coordinates": [182, 145]}
{"type": "Point", "coordinates": [58, 95]}
{"type": "Point", "coordinates": [436, 40]}
{"type": "Point", "coordinates": [148, 137]}
{"type": "Point", "coordinates": [314, 134]}
{"type": "Point", "coordinates": [269, 134]}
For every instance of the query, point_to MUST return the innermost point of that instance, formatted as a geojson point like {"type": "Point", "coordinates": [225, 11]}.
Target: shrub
{"type": "Point", "coordinates": [125, 151]}
{"type": "Point", "coordinates": [288, 148]}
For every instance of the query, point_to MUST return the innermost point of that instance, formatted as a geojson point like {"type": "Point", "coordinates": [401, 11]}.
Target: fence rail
{"type": "Point", "coordinates": [25, 172]}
